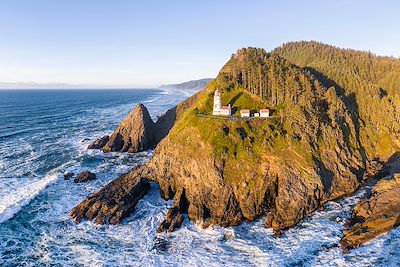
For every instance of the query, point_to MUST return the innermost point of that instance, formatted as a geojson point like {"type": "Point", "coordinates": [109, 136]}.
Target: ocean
{"type": "Point", "coordinates": [45, 133]}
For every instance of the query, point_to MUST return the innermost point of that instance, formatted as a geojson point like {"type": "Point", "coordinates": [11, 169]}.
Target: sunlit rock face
{"type": "Point", "coordinates": [375, 215]}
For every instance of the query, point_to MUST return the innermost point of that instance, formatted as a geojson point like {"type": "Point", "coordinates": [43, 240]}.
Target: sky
{"type": "Point", "coordinates": [142, 44]}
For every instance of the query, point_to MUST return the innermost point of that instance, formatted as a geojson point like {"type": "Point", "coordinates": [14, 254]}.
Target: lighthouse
{"type": "Point", "coordinates": [217, 103]}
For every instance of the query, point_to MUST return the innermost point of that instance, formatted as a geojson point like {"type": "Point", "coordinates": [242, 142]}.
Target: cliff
{"type": "Point", "coordinates": [223, 172]}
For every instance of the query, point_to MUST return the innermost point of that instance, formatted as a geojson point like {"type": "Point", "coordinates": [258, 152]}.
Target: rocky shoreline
{"type": "Point", "coordinates": [222, 172]}
{"type": "Point", "coordinates": [375, 215]}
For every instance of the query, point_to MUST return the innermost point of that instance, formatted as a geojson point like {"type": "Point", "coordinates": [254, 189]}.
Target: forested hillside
{"type": "Point", "coordinates": [369, 83]}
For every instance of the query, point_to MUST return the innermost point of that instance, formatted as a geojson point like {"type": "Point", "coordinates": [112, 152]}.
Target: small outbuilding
{"type": "Point", "coordinates": [225, 110]}
{"type": "Point", "coordinates": [264, 113]}
{"type": "Point", "coordinates": [245, 113]}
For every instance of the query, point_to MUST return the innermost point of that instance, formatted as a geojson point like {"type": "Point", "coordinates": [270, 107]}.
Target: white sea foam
{"type": "Point", "coordinates": [151, 100]}
{"type": "Point", "coordinates": [13, 201]}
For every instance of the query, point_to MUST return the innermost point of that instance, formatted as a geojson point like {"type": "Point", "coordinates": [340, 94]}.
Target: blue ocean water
{"type": "Point", "coordinates": [44, 133]}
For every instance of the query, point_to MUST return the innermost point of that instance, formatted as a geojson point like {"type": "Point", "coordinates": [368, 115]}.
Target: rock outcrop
{"type": "Point", "coordinates": [135, 133]}
{"type": "Point", "coordinates": [375, 215]}
{"type": "Point", "coordinates": [113, 202]}
{"type": "Point", "coordinates": [99, 143]}
{"type": "Point", "coordinates": [174, 216]}
{"type": "Point", "coordinates": [84, 177]}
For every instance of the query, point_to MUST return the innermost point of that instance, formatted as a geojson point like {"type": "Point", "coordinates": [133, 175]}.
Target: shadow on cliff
{"type": "Point", "coordinates": [351, 105]}
{"type": "Point", "coordinates": [325, 174]}
{"type": "Point", "coordinates": [233, 101]}
{"type": "Point", "coordinates": [165, 122]}
{"type": "Point", "coordinates": [397, 223]}
{"type": "Point", "coordinates": [393, 163]}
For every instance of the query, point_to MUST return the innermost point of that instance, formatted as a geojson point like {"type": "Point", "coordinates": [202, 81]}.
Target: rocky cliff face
{"type": "Point", "coordinates": [113, 202]}
{"type": "Point", "coordinates": [375, 215]}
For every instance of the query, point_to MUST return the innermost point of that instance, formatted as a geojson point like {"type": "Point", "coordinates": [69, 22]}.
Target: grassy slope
{"type": "Point", "coordinates": [242, 144]}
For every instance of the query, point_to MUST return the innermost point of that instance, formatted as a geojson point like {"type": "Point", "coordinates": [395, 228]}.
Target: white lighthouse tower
{"type": "Point", "coordinates": [217, 103]}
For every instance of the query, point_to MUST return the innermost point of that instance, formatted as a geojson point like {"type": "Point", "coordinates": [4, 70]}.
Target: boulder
{"type": "Point", "coordinates": [84, 177]}
{"type": "Point", "coordinates": [375, 215]}
{"type": "Point", "coordinates": [172, 221]}
{"type": "Point", "coordinates": [174, 217]}
{"type": "Point", "coordinates": [99, 143]}
{"type": "Point", "coordinates": [113, 202]}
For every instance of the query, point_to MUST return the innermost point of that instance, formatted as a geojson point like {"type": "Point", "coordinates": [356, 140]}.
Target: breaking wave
{"type": "Point", "coordinates": [13, 201]}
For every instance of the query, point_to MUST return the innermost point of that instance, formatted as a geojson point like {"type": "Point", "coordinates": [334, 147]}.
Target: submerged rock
{"type": "Point", "coordinates": [99, 143]}
{"type": "Point", "coordinates": [375, 215]}
{"type": "Point", "coordinates": [68, 175]}
{"type": "Point", "coordinates": [84, 177]}
{"type": "Point", "coordinates": [113, 202]}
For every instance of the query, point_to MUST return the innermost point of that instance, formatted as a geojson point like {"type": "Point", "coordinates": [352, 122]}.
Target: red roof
{"type": "Point", "coordinates": [264, 110]}
{"type": "Point", "coordinates": [225, 107]}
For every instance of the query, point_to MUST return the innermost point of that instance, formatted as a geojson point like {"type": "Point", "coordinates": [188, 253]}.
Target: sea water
{"type": "Point", "coordinates": [45, 133]}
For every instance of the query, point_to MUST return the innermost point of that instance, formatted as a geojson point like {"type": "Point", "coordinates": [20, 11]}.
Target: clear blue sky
{"type": "Point", "coordinates": [147, 43]}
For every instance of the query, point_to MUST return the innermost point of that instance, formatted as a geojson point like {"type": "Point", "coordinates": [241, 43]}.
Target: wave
{"type": "Point", "coordinates": [152, 100]}
{"type": "Point", "coordinates": [13, 202]}
{"type": "Point", "coordinates": [165, 92]}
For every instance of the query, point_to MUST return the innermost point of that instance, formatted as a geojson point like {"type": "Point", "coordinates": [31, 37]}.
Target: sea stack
{"type": "Point", "coordinates": [136, 132]}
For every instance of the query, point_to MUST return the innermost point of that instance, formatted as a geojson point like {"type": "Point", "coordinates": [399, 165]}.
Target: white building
{"type": "Point", "coordinates": [217, 103]}
{"type": "Point", "coordinates": [245, 113]}
{"type": "Point", "coordinates": [264, 113]}
{"type": "Point", "coordinates": [225, 110]}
